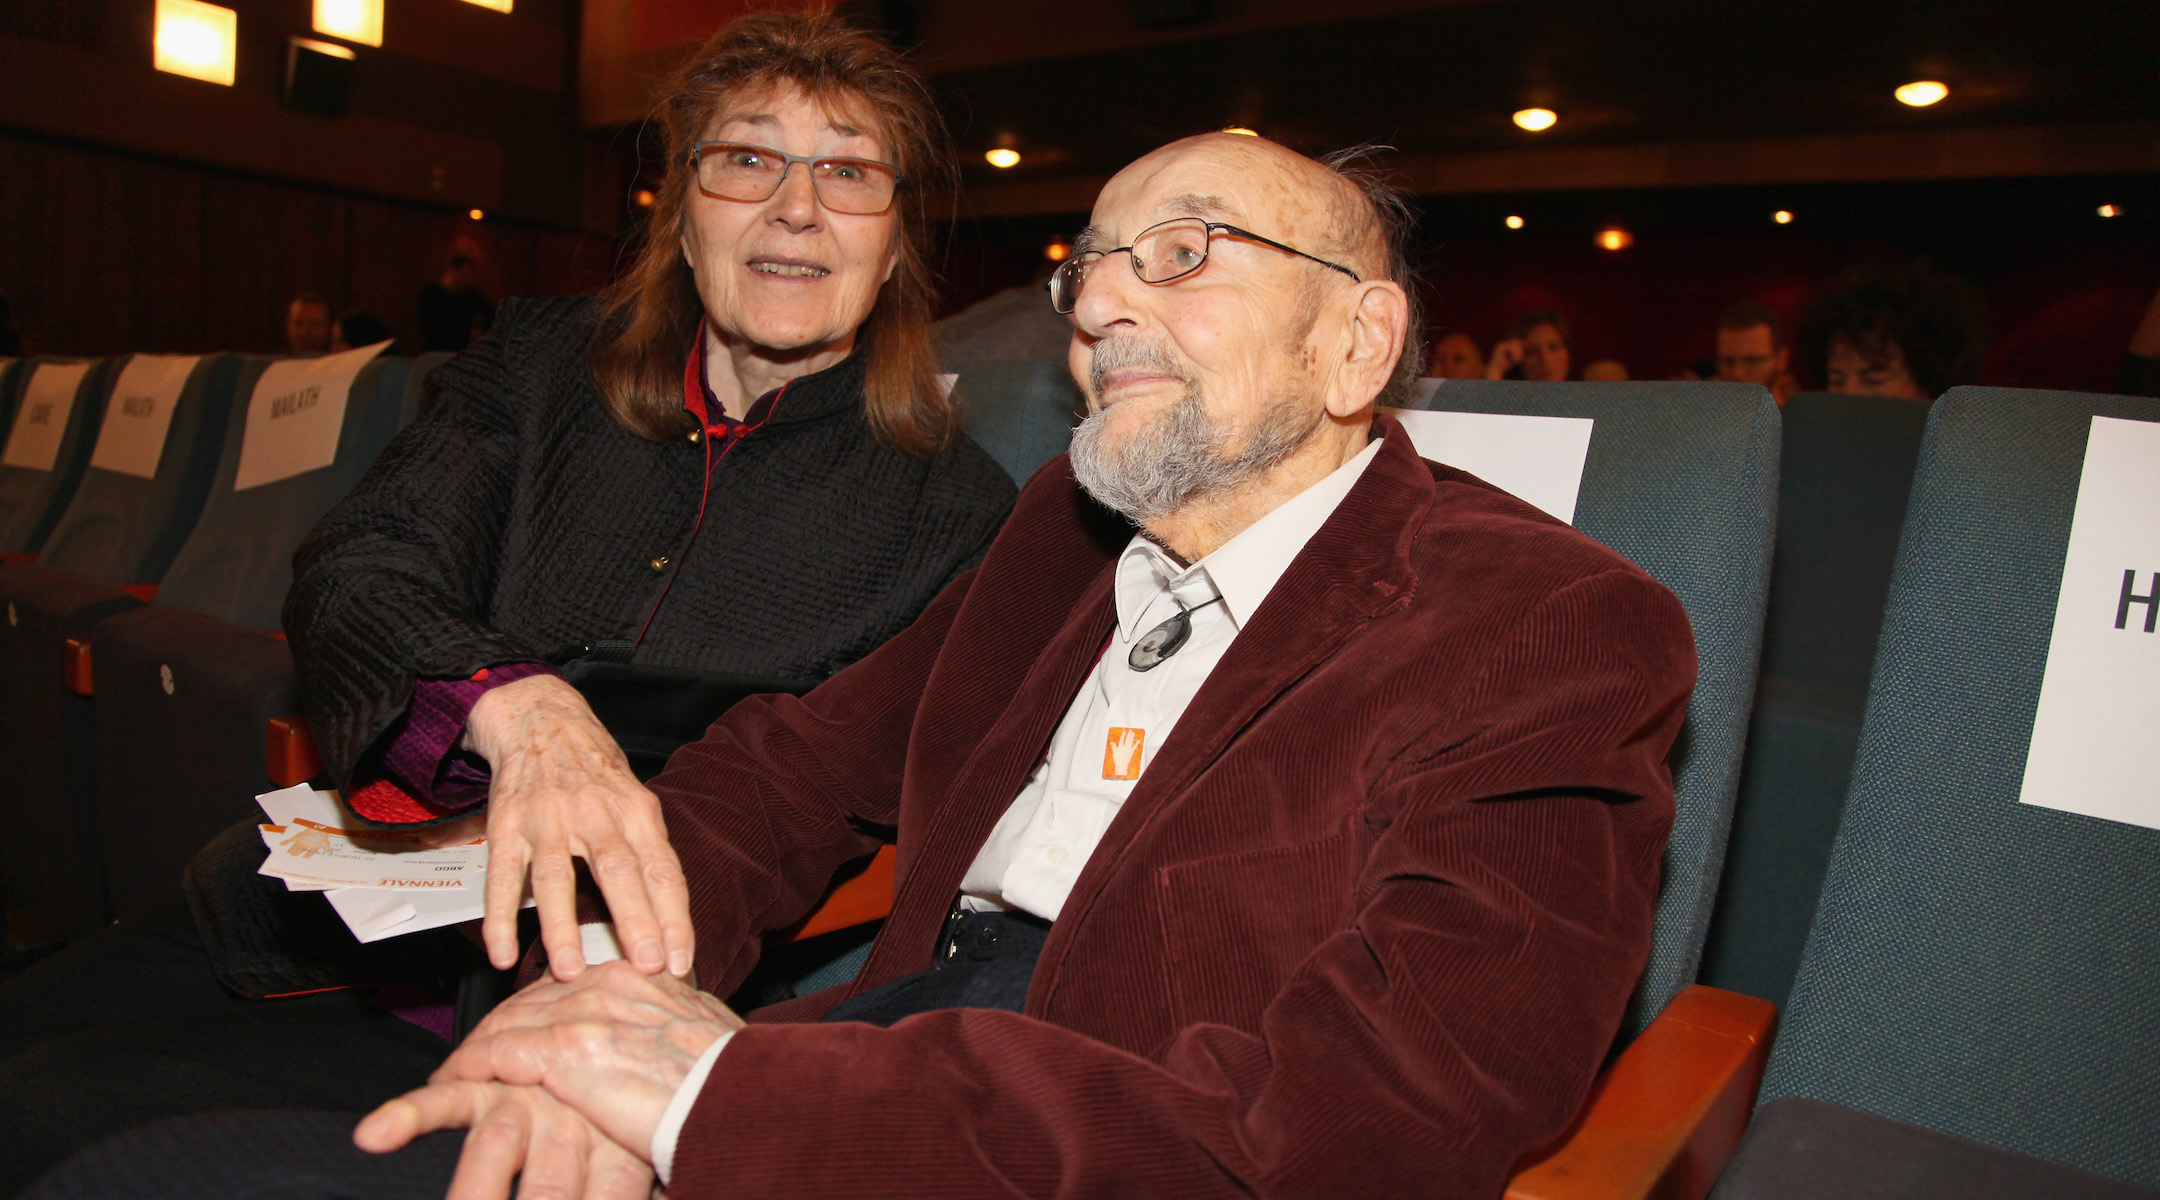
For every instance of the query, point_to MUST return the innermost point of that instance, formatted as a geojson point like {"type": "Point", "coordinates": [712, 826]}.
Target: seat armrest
{"type": "Point", "coordinates": [17, 560]}
{"type": "Point", "coordinates": [77, 666]}
{"type": "Point", "coordinates": [145, 592]}
{"type": "Point", "coordinates": [866, 897]}
{"type": "Point", "coordinates": [290, 754]}
{"type": "Point", "coordinates": [1664, 1117]}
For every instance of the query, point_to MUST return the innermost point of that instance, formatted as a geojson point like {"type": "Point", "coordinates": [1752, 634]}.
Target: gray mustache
{"type": "Point", "coordinates": [1118, 353]}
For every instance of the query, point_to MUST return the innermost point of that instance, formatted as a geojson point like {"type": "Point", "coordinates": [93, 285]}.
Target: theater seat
{"type": "Point", "coordinates": [1022, 412]}
{"type": "Point", "coordinates": [136, 502]}
{"type": "Point", "coordinates": [58, 403]}
{"type": "Point", "coordinates": [1974, 1013]}
{"type": "Point", "coordinates": [1847, 467]}
{"type": "Point", "coordinates": [184, 688]}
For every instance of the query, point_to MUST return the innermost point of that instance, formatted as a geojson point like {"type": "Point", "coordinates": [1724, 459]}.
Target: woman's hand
{"type": "Point", "coordinates": [1505, 356]}
{"type": "Point", "coordinates": [563, 789]}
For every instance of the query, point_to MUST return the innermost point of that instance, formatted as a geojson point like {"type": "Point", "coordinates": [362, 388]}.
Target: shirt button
{"type": "Point", "coordinates": [1058, 856]}
{"type": "Point", "coordinates": [660, 563]}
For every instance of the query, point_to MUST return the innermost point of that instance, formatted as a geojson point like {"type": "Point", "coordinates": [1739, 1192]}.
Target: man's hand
{"type": "Point", "coordinates": [1506, 355]}
{"type": "Point", "coordinates": [614, 1044]}
{"type": "Point", "coordinates": [563, 789]}
{"type": "Point", "coordinates": [514, 1130]}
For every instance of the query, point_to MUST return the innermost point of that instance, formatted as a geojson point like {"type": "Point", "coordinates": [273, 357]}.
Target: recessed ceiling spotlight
{"type": "Point", "coordinates": [1536, 120]}
{"type": "Point", "coordinates": [475, 214]}
{"type": "Point", "coordinates": [1615, 238]}
{"type": "Point", "coordinates": [1002, 158]}
{"type": "Point", "coordinates": [1057, 251]}
{"type": "Point", "coordinates": [1781, 217]}
{"type": "Point", "coordinates": [1241, 131]}
{"type": "Point", "coordinates": [2110, 210]}
{"type": "Point", "coordinates": [1922, 92]}
{"type": "Point", "coordinates": [1514, 222]}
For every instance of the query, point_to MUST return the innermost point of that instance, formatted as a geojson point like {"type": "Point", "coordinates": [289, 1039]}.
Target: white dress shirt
{"type": "Point", "coordinates": [1115, 726]}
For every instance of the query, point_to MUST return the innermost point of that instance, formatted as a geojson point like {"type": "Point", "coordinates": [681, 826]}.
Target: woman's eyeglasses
{"type": "Point", "coordinates": [736, 171]}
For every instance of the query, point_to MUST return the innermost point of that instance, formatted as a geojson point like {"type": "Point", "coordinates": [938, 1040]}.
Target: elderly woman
{"type": "Point", "coordinates": [738, 463]}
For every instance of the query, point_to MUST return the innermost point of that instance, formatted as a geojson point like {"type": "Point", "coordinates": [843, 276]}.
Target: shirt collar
{"type": "Point", "coordinates": [1242, 570]}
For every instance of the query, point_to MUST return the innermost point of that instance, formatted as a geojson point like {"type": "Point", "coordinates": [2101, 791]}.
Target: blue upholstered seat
{"type": "Point", "coordinates": [32, 497]}
{"type": "Point", "coordinates": [1682, 479]}
{"type": "Point", "coordinates": [1021, 411]}
{"type": "Point", "coordinates": [1980, 967]}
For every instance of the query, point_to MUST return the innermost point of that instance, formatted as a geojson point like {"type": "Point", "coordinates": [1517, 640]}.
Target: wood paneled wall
{"type": "Point", "coordinates": [103, 252]}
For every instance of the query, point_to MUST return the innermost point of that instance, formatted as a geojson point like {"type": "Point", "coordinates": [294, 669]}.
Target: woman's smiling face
{"type": "Point", "coordinates": [786, 274]}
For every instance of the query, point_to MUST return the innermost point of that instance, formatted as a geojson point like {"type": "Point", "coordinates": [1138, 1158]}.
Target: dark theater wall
{"type": "Point", "coordinates": [103, 252]}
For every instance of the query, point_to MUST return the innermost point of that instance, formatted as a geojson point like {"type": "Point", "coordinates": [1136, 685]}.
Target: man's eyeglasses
{"type": "Point", "coordinates": [736, 171]}
{"type": "Point", "coordinates": [1162, 253]}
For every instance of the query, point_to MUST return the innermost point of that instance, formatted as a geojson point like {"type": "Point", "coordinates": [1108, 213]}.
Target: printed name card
{"type": "Point", "coordinates": [140, 413]}
{"type": "Point", "coordinates": [1536, 459]}
{"type": "Point", "coordinates": [296, 414]}
{"type": "Point", "coordinates": [2096, 735]}
{"type": "Point", "coordinates": [42, 420]}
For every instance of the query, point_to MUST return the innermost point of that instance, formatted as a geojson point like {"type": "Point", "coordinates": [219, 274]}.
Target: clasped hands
{"type": "Point", "coordinates": [565, 1083]}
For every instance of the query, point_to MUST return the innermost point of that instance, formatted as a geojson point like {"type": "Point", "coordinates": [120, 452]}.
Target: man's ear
{"type": "Point", "coordinates": [1379, 324]}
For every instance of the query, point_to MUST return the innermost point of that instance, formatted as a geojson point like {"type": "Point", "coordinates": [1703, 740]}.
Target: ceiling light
{"type": "Point", "coordinates": [1536, 120]}
{"type": "Point", "coordinates": [501, 6]}
{"type": "Point", "coordinates": [1057, 251]}
{"type": "Point", "coordinates": [475, 214]}
{"type": "Point", "coordinates": [2110, 210]}
{"type": "Point", "coordinates": [1514, 222]}
{"type": "Point", "coordinates": [196, 40]}
{"type": "Point", "coordinates": [354, 20]}
{"type": "Point", "coordinates": [1241, 131]}
{"type": "Point", "coordinates": [1923, 92]}
{"type": "Point", "coordinates": [1781, 217]}
{"type": "Point", "coordinates": [1615, 238]}
{"type": "Point", "coordinates": [1002, 158]}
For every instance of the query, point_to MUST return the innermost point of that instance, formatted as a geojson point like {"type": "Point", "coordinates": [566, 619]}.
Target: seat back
{"type": "Point", "coordinates": [150, 468]}
{"type": "Point", "coordinates": [58, 403]}
{"type": "Point", "coordinates": [237, 562]}
{"type": "Point", "coordinates": [416, 397]}
{"type": "Point", "coordinates": [1978, 966]}
{"type": "Point", "coordinates": [1021, 411]}
{"type": "Point", "coordinates": [1847, 466]}
{"type": "Point", "coordinates": [1681, 479]}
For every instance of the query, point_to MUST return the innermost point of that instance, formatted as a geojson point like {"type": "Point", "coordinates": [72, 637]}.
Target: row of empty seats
{"type": "Point", "coordinates": [1922, 994]}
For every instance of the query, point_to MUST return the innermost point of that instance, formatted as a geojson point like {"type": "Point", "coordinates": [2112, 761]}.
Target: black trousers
{"type": "Point", "coordinates": [132, 1026]}
{"type": "Point", "coordinates": [984, 960]}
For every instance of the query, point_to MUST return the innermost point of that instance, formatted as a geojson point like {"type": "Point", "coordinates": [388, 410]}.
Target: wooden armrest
{"type": "Point", "coordinates": [17, 560]}
{"type": "Point", "coordinates": [145, 592]}
{"type": "Point", "coordinates": [77, 666]}
{"type": "Point", "coordinates": [866, 897]}
{"type": "Point", "coordinates": [1664, 1117]}
{"type": "Point", "coordinates": [291, 755]}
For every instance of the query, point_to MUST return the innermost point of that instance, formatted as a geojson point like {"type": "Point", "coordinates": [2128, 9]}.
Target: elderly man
{"type": "Point", "coordinates": [1302, 843]}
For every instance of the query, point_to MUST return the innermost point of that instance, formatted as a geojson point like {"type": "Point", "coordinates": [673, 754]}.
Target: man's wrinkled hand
{"type": "Point", "coordinates": [562, 790]}
{"type": "Point", "coordinates": [515, 1131]}
{"type": "Point", "coordinates": [615, 1044]}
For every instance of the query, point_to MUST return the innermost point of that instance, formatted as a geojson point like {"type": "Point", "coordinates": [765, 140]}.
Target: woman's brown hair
{"type": "Point", "coordinates": [649, 315]}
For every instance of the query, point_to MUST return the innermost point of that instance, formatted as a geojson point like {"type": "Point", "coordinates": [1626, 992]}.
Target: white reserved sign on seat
{"type": "Point", "coordinates": [2096, 735]}
{"type": "Point", "coordinates": [140, 413]}
{"type": "Point", "coordinates": [296, 414]}
{"type": "Point", "coordinates": [1535, 459]}
{"type": "Point", "coordinates": [41, 422]}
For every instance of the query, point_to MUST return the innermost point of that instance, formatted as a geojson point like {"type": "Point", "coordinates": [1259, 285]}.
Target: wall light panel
{"type": "Point", "coordinates": [354, 20]}
{"type": "Point", "coordinates": [197, 40]}
{"type": "Point", "coordinates": [502, 6]}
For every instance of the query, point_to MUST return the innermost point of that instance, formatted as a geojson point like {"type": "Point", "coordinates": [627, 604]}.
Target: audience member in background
{"type": "Point", "coordinates": [1537, 347]}
{"type": "Point", "coordinates": [1751, 348]}
{"type": "Point", "coordinates": [1904, 331]}
{"type": "Point", "coordinates": [2141, 367]}
{"type": "Point", "coordinates": [1455, 356]}
{"type": "Point", "coordinates": [1004, 327]}
{"type": "Point", "coordinates": [452, 311]}
{"type": "Point", "coordinates": [356, 329]}
{"type": "Point", "coordinates": [10, 341]}
{"type": "Point", "coordinates": [737, 461]}
{"type": "Point", "coordinates": [307, 325]}
{"type": "Point", "coordinates": [1605, 370]}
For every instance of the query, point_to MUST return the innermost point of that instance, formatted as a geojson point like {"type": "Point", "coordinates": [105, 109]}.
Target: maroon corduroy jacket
{"type": "Point", "coordinates": [1364, 928]}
